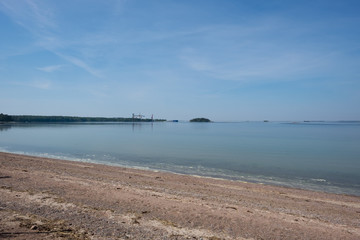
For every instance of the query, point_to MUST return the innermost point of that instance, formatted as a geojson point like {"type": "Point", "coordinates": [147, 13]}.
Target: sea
{"type": "Point", "coordinates": [320, 156]}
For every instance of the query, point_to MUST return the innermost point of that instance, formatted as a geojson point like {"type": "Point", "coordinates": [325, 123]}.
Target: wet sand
{"type": "Point", "coordinates": [43, 198]}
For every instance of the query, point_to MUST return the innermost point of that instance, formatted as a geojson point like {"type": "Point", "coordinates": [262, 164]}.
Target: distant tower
{"type": "Point", "coordinates": [152, 117]}
{"type": "Point", "coordinates": [137, 116]}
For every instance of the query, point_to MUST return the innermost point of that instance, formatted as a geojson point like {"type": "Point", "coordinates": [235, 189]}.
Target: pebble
{"type": "Point", "coordinates": [34, 227]}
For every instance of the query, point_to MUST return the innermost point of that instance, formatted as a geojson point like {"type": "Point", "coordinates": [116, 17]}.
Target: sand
{"type": "Point", "coordinates": [43, 198]}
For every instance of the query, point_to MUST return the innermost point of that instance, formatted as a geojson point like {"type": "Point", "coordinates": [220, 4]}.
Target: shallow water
{"type": "Point", "coordinates": [321, 156]}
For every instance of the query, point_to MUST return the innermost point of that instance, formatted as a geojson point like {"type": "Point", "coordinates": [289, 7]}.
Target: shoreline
{"type": "Point", "coordinates": [307, 184]}
{"type": "Point", "coordinates": [62, 199]}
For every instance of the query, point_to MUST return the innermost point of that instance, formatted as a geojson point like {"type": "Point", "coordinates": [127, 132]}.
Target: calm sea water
{"type": "Point", "coordinates": [322, 156]}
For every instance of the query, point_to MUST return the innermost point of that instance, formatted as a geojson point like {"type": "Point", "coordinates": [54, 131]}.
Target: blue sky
{"type": "Point", "coordinates": [225, 60]}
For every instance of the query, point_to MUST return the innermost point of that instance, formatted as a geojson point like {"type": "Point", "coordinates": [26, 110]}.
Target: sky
{"type": "Point", "coordinates": [227, 60]}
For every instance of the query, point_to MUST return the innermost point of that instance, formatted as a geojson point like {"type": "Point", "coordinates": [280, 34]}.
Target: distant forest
{"type": "Point", "coordinates": [66, 119]}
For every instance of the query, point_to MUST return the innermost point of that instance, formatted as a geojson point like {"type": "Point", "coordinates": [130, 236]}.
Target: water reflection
{"type": "Point", "coordinates": [137, 126]}
{"type": "Point", "coordinates": [134, 125]}
{"type": "Point", "coordinates": [4, 127]}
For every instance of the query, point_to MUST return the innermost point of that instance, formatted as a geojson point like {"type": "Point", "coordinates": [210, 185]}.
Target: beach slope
{"type": "Point", "coordinates": [43, 198]}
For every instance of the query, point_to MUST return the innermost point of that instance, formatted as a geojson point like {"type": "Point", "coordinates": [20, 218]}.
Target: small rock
{"type": "Point", "coordinates": [34, 227]}
{"type": "Point", "coordinates": [230, 207]}
{"type": "Point", "coordinates": [135, 221]}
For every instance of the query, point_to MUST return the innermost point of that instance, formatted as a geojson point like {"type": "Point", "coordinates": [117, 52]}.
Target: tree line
{"type": "Point", "coordinates": [5, 118]}
{"type": "Point", "coordinates": [65, 119]}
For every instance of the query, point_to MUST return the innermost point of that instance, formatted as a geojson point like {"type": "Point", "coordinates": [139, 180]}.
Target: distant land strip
{"type": "Point", "coordinates": [58, 119]}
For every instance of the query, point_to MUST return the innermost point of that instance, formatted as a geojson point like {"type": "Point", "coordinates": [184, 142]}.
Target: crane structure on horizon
{"type": "Point", "coordinates": [137, 116]}
{"type": "Point", "coordinates": [140, 116]}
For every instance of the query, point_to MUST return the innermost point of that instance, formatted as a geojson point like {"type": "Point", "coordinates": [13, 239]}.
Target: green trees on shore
{"type": "Point", "coordinates": [5, 118]}
{"type": "Point", "coordinates": [66, 119]}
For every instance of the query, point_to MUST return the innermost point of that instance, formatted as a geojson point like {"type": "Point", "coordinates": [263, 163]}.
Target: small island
{"type": "Point", "coordinates": [200, 120]}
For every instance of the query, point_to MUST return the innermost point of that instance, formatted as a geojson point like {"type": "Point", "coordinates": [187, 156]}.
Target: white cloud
{"type": "Point", "coordinates": [29, 15]}
{"type": "Point", "coordinates": [39, 20]}
{"type": "Point", "coordinates": [245, 54]}
{"type": "Point", "coordinates": [51, 68]}
{"type": "Point", "coordinates": [248, 68]}
{"type": "Point", "coordinates": [79, 63]}
{"type": "Point", "coordinates": [43, 84]}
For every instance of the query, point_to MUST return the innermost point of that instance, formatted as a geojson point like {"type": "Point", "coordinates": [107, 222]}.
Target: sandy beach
{"type": "Point", "coordinates": [43, 198]}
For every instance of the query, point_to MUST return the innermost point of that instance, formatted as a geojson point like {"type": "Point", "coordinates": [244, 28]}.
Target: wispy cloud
{"type": "Point", "coordinates": [249, 68]}
{"type": "Point", "coordinates": [43, 84]}
{"type": "Point", "coordinates": [39, 20]}
{"type": "Point", "coordinates": [51, 68]}
{"type": "Point", "coordinates": [29, 15]}
{"type": "Point", "coordinates": [79, 63]}
{"type": "Point", "coordinates": [241, 54]}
